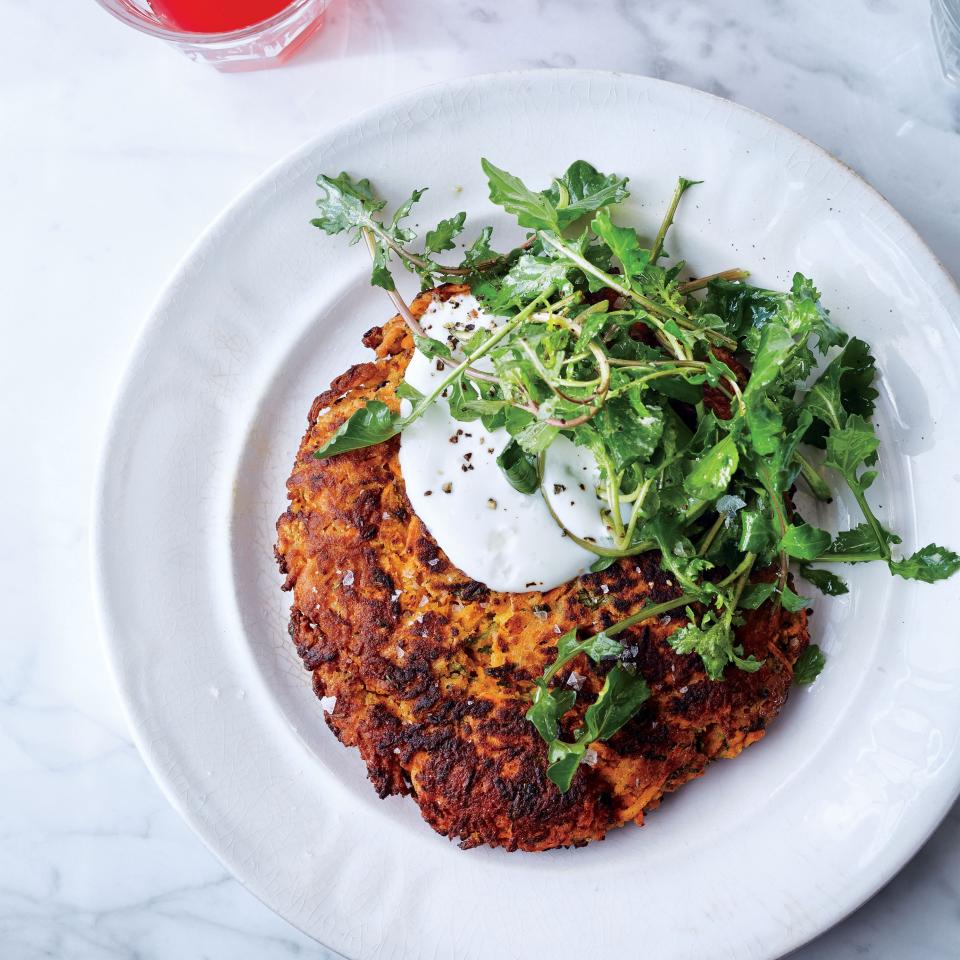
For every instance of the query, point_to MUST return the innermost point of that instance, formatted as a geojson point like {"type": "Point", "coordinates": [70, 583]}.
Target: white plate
{"type": "Point", "coordinates": [751, 860]}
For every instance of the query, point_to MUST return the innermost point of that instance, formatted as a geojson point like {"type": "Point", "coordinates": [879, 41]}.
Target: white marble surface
{"type": "Point", "coordinates": [115, 154]}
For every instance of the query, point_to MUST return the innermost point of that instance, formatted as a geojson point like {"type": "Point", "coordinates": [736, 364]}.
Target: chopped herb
{"type": "Point", "coordinates": [808, 665]}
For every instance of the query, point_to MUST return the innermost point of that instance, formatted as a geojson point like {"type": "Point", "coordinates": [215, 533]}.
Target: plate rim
{"type": "Point", "coordinates": [105, 618]}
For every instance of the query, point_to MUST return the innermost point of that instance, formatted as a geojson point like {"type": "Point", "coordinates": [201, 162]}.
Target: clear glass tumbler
{"type": "Point", "coordinates": [945, 16]}
{"type": "Point", "coordinates": [265, 43]}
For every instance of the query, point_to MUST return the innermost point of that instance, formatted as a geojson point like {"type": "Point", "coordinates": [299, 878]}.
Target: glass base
{"type": "Point", "coordinates": [259, 53]}
{"type": "Point", "coordinates": [946, 35]}
{"type": "Point", "coordinates": [266, 44]}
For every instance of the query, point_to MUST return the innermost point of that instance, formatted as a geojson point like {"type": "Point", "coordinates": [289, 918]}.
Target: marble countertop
{"type": "Point", "coordinates": [116, 153]}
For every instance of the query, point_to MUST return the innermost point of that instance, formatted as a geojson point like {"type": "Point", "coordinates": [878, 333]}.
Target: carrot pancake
{"type": "Point", "coordinates": [432, 672]}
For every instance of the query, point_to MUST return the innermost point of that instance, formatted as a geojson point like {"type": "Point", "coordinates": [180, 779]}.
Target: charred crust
{"type": "Point", "coordinates": [372, 338]}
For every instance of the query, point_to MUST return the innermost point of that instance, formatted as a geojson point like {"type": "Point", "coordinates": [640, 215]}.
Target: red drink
{"type": "Point", "coordinates": [229, 34]}
{"type": "Point", "coordinates": [215, 16]}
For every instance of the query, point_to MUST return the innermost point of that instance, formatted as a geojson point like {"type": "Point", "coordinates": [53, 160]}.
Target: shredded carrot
{"type": "Point", "coordinates": [778, 653]}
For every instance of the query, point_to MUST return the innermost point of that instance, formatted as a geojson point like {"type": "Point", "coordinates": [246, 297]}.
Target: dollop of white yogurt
{"type": "Point", "coordinates": [492, 532]}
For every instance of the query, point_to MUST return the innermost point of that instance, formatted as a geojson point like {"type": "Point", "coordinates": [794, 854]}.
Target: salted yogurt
{"type": "Point", "coordinates": [492, 532]}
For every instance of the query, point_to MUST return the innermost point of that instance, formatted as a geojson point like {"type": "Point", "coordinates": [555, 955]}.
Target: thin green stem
{"type": "Point", "coordinates": [776, 505]}
{"type": "Point", "coordinates": [711, 535]}
{"type": "Point", "coordinates": [656, 251]}
{"type": "Point", "coordinates": [702, 282]}
{"type": "Point", "coordinates": [645, 613]}
{"type": "Point", "coordinates": [411, 321]}
{"type": "Point", "coordinates": [613, 498]}
{"type": "Point", "coordinates": [595, 548]}
{"type": "Point", "coordinates": [818, 486]}
{"type": "Point", "coordinates": [866, 557]}
{"type": "Point", "coordinates": [742, 567]}
{"type": "Point", "coordinates": [878, 531]}
{"type": "Point", "coordinates": [739, 588]}
{"type": "Point", "coordinates": [637, 509]}
{"type": "Point", "coordinates": [675, 371]}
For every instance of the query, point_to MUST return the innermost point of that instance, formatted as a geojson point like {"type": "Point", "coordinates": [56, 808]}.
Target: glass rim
{"type": "Point", "coordinates": [124, 11]}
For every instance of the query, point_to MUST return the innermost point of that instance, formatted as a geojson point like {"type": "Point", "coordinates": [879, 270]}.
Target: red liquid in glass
{"type": "Point", "coordinates": [215, 16]}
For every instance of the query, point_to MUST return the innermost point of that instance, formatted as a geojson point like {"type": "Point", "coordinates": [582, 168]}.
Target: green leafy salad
{"type": "Point", "coordinates": [704, 402]}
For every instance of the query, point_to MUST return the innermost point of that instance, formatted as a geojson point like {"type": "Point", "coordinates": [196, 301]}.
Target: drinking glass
{"type": "Point", "coordinates": [946, 32]}
{"type": "Point", "coordinates": [265, 43]}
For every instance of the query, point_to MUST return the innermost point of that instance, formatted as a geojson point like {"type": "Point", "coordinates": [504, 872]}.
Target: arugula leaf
{"type": "Point", "coordinates": [824, 399]}
{"type": "Point", "coordinates": [792, 601]}
{"type": "Point", "coordinates": [856, 382]}
{"type": "Point", "coordinates": [371, 424]}
{"type": "Point", "coordinates": [860, 539]}
{"type": "Point", "coordinates": [859, 542]}
{"type": "Point", "coordinates": [601, 646]}
{"type": "Point", "coordinates": [804, 542]}
{"type": "Point", "coordinates": [850, 446]}
{"type": "Point", "coordinates": [515, 420]}
{"type": "Point", "coordinates": [380, 275]}
{"type": "Point", "coordinates": [743, 310]}
{"type": "Point", "coordinates": [747, 311]}
{"type": "Point", "coordinates": [756, 530]}
{"type": "Point", "coordinates": [808, 665]}
{"type": "Point", "coordinates": [629, 430]}
{"type": "Point", "coordinates": [536, 436]}
{"type": "Point", "coordinates": [621, 696]}
{"type": "Point", "coordinates": [462, 399]}
{"type": "Point", "coordinates": [401, 214]}
{"type": "Point", "coordinates": [442, 236]}
{"type": "Point", "coordinates": [519, 467]}
{"type": "Point", "coordinates": [677, 553]}
{"type": "Point", "coordinates": [600, 331]}
{"type": "Point", "coordinates": [345, 204]}
{"type": "Point", "coordinates": [619, 699]}
{"type": "Point", "coordinates": [713, 641]}
{"type": "Point", "coordinates": [486, 408]}
{"type": "Point", "coordinates": [526, 280]}
{"type": "Point", "coordinates": [480, 250]}
{"type": "Point", "coordinates": [844, 387]}
{"type": "Point", "coordinates": [432, 348]}
{"type": "Point", "coordinates": [564, 758]}
{"type": "Point", "coordinates": [929, 564]}
{"type": "Point", "coordinates": [678, 388]}
{"type": "Point", "coordinates": [712, 474]}
{"type": "Point", "coordinates": [826, 582]}
{"type": "Point", "coordinates": [623, 242]}
{"type": "Point", "coordinates": [581, 190]}
{"type": "Point", "coordinates": [764, 421]}
{"type": "Point", "coordinates": [757, 594]}
{"type": "Point", "coordinates": [406, 391]}
{"type": "Point", "coordinates": [531, 209]}
{"type": "Point", "coordinates": [778, 469]}
{"type": "Point", "coordinates": [592, 321]}
{"type": "Point", "coordinates": [547, 709]}
{"type": "Point", "coordinates": [804, 316]}
{"type": "Point", "coordinates": [774, 348]}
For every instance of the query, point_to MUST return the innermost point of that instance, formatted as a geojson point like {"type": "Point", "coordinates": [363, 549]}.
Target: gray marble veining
{"type": "Point", "coordinates": [116, 154]}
